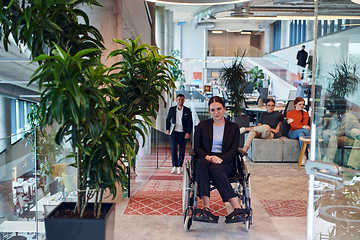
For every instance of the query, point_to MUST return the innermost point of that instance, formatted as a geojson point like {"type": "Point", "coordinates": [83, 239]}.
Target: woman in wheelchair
{"type": "Point", "coordinates": [216, 143]}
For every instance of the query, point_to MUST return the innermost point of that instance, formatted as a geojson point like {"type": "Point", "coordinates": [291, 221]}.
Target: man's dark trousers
{"type": "Point", "coordinates": [177, 138]}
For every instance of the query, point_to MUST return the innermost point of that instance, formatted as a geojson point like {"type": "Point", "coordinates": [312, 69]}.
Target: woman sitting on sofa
{"type": "Point", "coordinates": [268, 127]}
{"type": "Point", "coordinates": [298, 120]}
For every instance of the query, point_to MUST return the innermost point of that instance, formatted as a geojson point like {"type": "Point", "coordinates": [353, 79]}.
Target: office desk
{"type": "Point", "coordinates": [257, 110]}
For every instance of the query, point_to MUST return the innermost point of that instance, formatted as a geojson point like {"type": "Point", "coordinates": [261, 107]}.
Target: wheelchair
{"type": "Point", "coordinates": [240, 183]}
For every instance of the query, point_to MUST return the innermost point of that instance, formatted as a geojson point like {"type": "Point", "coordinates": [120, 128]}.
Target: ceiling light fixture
{"type": "Point", "coordinates": [356, 1]}
{"type": "Point", "coordinates": [185, 60]}
{"type": "Point", "coordinates": [233, 30]}
{"type": "Point", "coordinates": [196, 2]}
{"type": "Point", "coordinates": [216, 32]}
{"type": "Point", "coordinates": [204, 60]}
{"type": "Point", "coordinates": [292, 17]}
{"type": "Point", "coordinates": [245, 32]}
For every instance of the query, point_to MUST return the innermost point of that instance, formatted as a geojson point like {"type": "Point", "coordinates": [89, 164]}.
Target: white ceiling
{"type": "Point", "coordinates": [14, 65]}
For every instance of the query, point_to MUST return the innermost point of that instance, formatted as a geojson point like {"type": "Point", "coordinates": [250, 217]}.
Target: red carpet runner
{"type": "Point", "coordinates": [162, 195]}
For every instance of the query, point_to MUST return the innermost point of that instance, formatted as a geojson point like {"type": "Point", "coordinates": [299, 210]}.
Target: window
{"type": "Point", "coordinates": [19, 111]}
{"type": "Point", "coordinates": [276, 35]}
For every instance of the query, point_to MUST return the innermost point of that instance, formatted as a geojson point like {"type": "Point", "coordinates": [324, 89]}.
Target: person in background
{"type": "Point", "coordinates": [298, 120]}
{"type": "Point", "coordinates": [302, 56]}
{"type": "Point", "coordinates": [181, 118]}
{"type": "Point", "coordinates": [342, 129]}
{"type": "Point", "coordinates": [268, 127]}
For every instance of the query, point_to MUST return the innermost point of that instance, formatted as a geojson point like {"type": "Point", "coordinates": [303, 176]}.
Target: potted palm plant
{"type": "Point", "coordinates": [234, 78]}
{"type": "Point", "coordinates": [344, 79]}
{"type": "Point", "coordinates": [99, 110]}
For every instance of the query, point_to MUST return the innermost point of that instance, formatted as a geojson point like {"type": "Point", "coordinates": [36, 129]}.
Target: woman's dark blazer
{"type": "Point", "coordinates": [203, 140]}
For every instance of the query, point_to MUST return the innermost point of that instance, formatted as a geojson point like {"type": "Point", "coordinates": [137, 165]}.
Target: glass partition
{"type": "Point", "coordinates": [335, 131]}
{"type": "Point", "coordinates": [36, 175]}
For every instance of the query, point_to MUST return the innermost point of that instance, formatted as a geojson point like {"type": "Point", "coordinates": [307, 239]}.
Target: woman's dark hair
{"type": "Point", "coordinates": [270, 100]}
{"type": "Point", "coordinates": [298, 99]}
{"type": "Point", "coordinates": [217, 99]}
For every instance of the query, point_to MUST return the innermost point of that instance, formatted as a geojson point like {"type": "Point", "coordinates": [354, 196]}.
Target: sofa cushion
{"type": "Point", "coordinates": [291, 149]}
{"type": "Point", "coordinates": [285, 128]}
{"type": "Point", "coordinates": [266, 150]}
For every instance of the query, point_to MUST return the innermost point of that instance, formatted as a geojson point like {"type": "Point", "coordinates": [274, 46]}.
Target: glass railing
{"type": "Point", "coordinates": [335, 202]}
{"type": "Point", "coordinates": [33, 181]}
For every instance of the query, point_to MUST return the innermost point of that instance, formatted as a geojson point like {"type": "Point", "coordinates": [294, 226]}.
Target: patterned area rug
{"type": "Point", "coordinates": [287, 208]}
{"type": "Point", "coordinates": [162, 195]}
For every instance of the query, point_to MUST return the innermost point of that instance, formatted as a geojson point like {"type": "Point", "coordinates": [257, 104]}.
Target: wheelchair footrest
{"type": "Point", "coordinates": [202, 215]}
{"type": "Point", "coordinates": [239, 215]}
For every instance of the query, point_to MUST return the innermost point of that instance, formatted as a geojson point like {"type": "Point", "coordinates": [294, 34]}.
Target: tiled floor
{"type": "Point", "coordinates": [278, 198]}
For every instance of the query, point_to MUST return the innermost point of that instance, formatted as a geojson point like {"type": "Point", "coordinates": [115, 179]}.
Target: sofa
{"type": "Point", "coordinates": [280, 149]}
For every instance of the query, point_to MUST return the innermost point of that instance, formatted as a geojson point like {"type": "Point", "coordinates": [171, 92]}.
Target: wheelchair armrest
{"type": "Point", "coordinates": [191, 152]}
{"type": "Point", "coordinates": [242, 152]}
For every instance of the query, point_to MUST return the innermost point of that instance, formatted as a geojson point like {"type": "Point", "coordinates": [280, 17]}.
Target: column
{"type": "Point", "coordinates": [267, 39]}
{"type": "Point", "coordinates": [168, 32]}
{"type": "Point", "coordinates": [109, 21]}
{"type": "Point", "coordinates": [285, 36]}
{"type": "Point", "coordinates": [160, 29]}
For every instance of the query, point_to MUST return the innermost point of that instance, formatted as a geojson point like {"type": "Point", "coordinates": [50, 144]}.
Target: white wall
{"type": "Point", "coordinates": [192, 47]}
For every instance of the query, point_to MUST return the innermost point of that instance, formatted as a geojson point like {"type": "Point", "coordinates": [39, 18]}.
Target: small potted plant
{"type": "Point", "coordinates": [257, 76]}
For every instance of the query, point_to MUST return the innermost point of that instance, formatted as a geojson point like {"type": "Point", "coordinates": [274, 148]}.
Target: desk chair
{"type": "Point", "coordinates": [292, 95]}
{"type": "Point", "coordinates": [289, 107]}
{"type": "Point", "coordinates": [69, 182]}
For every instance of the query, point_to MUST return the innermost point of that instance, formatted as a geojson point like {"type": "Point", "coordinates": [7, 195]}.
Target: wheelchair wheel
{"type": "Point", "coordinates": [247, 226]}
{"type": "Point", "coordinates": [186, 188]}
{"type": "Point", "coordinates": [187, 223]}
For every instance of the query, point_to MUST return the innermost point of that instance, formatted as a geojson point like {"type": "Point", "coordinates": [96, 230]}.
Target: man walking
{"type": "Point", "coordinates": [302, 56]}
{"type": "Point", "coordinates": [180, 116]}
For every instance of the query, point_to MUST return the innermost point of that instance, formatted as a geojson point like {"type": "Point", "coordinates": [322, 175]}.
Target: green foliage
{"type": "Point", "coordinates": [43, 144]}
{"type": "Point", "coordinates": [100, 110]}
{"type": "Point", "coordinates": [74, 92]}
{"type": "Point", "coordinates": [40, 23]}
{"type": "Point", "coordinates": [175, 70]}
{"type": "Point", "coordinates": [257, 76]}
{"type": "Point", "coordinates": [234, 77]}
{"type": "Point", "coordinates": [344, 79]}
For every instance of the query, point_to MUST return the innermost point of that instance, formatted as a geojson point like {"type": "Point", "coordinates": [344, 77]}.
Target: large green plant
{"type": "Point", "coordinates": [98, 111]}
{"type": "Point", "coordinates": [234, 78]}
{"type": "Point", "coordinates": [344, 79]}
{"type": "Point", "coordinates": [40, 23]}
{"type": "Point", "coordinates": [74, 92]}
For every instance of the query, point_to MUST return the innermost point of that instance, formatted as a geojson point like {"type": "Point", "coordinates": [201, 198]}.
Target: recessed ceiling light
{"type": "Point", "coordinates": [204, 60]}
{"type": "Point", "coordinates": [233, 30]}
{"type": "Point", "coordinates": [216, 32]}
{"type": "Point", "coordinates": [245, 32]}
{"type": "Point", "coordinates": [184, 60]}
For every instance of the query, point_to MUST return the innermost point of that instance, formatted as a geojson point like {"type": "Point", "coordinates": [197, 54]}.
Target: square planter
{"type": "Point", "coordinates": [75, 228]}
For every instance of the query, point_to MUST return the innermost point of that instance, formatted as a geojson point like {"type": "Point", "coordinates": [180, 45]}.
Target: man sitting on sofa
{"type": "Point", "coordinates": [343, 129]}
